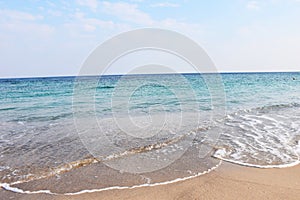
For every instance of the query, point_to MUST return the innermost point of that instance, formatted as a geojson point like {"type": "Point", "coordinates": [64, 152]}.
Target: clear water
{"type": "Point", "coordinates": [38, 132]}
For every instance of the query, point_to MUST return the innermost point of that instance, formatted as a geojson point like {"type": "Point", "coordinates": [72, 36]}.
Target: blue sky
{"type": "Point", "coordinates": [49, 38]}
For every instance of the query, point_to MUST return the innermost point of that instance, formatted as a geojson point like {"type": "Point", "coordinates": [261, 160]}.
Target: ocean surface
{"type": "Point", "coordinates": [158, 127]}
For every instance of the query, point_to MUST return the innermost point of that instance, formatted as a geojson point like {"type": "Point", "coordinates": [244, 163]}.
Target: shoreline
{"type": "Point", "coordinates": [229, 181]}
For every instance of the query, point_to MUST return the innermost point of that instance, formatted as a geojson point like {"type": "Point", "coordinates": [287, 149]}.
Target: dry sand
{"type": "Point", "coordinates": [227, 182]}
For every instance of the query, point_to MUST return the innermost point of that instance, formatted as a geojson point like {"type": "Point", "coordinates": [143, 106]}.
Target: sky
{"type": "Point", "coordinates": [53, 38]}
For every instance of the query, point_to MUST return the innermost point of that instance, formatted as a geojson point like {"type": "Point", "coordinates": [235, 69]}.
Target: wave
{"type": "Point", "coordinates": [7, 109]}
{"type": "Point", "coordinates": [88, 161]}
{"type": "Point", "coordinates": [278, 106]}
{"type": "Point", "coordinates": [43, 118]}
{"type": "Point", "coordinates": [227, 120]}
{"type": "Point", "coordinates": [92, 160]}
{"type": "Point", "coordinates": [55, 170]}
{"type": "Point", "coordinates": [220, 154]}
{"type": "Point", "coordinates": [105, 87]}
{"type": "Point", "coordinates": [260, 137]}
{"type": "Point", "coordinates": [10, 187]}
{"type": "Point", "coordinates": [144, 148]}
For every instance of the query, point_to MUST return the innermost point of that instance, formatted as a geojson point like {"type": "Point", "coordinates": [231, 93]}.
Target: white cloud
{"type": "Point", "coordinates": [191, 29]}
{"type": "Point", "coordinates": [54, 13]}
{"type": "Point", "coordinates": [128, 16]}
{"type": "Point", "coordinates": [80, 25]}
{"type": "Point", "coordinates": [92, 4]}
{"type": "Point", "coordinates": [51, 4]}
{"type": "Point", "coordinates": [18, 15]}
{"type": "Point", "coordinates": [137, 1]}
{"type": "Point", "coordinates": [127, 12]}
{"type": "Point", "coordinates": [24, 39]}
{"type": "Point", "coordinates": [14, 22]}
{"type": "Point", "coordinates": [131, 14]}
{"type": "Point", "coordinates": [165, 4]}
{"type": "Point", "coordinates": [259, 46]}
{"type": "Point", "coordinates": [253, 5]}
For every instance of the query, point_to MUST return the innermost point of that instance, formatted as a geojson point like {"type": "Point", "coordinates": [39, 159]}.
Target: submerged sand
{"type": "Point", "coordinates": [226, 182]}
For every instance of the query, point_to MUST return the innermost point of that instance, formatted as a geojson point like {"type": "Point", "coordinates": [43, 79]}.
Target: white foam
{"type": "Point", "coordinates": [20, 122]}
{"type": "Point", "coordinates": [260, 139]}
{"type": "Point", "coordinates": [297, 148]}
{"type": "Point", "coordinates": [221, 153]}
{"type": "Point", "coordinates": [9, 187]}
{"type": "Point", "coordinates": [2, 168]}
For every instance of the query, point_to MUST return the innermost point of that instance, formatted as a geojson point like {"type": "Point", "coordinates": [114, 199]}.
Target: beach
{"type": "Point", "coordinates": [145, 100]}
{"type": "Point", "coordinates": [229, 181]}
{"type": "Point", "coordinates": [81, 139]}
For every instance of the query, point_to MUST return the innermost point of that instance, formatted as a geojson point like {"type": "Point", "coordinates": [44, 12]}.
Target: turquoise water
{"type": "Point", "coordinates": [38, 131]}
{"type": "Point", "coordinates": [50, 99]}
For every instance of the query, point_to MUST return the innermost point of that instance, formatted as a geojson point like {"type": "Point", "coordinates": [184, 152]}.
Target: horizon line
{"type": "Point", "coordinates": [183, 73]}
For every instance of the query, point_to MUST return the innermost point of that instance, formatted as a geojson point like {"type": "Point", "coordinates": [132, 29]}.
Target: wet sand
{"type": "Point", "coordinates": [226, 182]}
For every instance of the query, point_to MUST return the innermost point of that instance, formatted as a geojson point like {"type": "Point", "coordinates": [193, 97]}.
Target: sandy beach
{"type": "Point", "coordinates": [226, 182]}
{"type": "Point", "coordinates": [150, 100]}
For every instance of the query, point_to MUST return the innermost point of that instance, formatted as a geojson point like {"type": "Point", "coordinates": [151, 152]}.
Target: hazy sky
{"type": "Point", "coordinates": [48, 38]}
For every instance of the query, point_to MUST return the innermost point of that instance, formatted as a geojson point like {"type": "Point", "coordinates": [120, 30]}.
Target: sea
{"type": "Point", "coordinates": [70, 135]}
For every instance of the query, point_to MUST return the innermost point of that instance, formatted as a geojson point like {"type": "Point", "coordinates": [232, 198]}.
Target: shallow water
{"type": "Point", "coordinates": [165, 126]}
